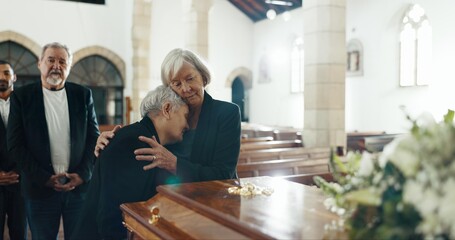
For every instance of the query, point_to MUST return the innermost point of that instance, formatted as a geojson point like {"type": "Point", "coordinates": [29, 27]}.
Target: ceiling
{"type": "Point", "coordinates": [256, 10]}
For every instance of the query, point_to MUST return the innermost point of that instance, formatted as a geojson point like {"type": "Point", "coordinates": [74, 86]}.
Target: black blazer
{"type": "Point", "coordinates": [28, 138]}
{"type": "Point", "coordinates": [216, 144]}
{"type": "Point", "coordinates": [6, 163]}
{"type": "Point", "coordinates": [118, 178]}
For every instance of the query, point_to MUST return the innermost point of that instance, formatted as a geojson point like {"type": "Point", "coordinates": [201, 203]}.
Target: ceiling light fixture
{"type": "Point", "coordinates": [279, 2]}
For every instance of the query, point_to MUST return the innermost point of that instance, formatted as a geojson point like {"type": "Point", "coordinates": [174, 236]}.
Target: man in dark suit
{"type": "Point", "coordinates": [52, 131]}
{"type": "Point", "coordinates": [11, 201]}
{"type": "Point", "coordinates": [118, 177]}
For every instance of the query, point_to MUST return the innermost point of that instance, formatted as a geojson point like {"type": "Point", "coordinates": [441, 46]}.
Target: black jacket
{"type": "Point", "coordinates": [118, 178]}
{"type": "Point", "coordinates": [28, 138]}
{"type": "Point", "coordinates": [216, 145]}
{"type": "Point", "coordinates": [6, 162]}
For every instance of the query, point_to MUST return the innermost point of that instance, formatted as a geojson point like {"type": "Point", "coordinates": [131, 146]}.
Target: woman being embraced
{"type": "Point", "coordinates": [210, 148]}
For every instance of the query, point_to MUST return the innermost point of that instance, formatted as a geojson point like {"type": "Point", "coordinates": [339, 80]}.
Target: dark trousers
{"type": "Point", "coordinates": [44, 215]}
{"type": "Point", "coordinates": [12, 205]}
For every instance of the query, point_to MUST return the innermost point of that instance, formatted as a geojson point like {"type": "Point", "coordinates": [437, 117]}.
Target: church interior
{"type": "Point", "coordinates": [309, 76]}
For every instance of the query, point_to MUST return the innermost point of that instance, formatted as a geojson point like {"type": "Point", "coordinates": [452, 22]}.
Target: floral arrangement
{"type": "Point", "coordinates": [405, 192]}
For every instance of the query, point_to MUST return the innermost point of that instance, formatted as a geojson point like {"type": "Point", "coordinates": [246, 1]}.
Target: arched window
{"type": "Point", "coordinates": [23, 60]}
{"type": "Point", "coordinates": [415, 47]}
{"type": "Point", "coordinates": [297, 64]}
{"type": "Point", "coordinates": [105, 81]}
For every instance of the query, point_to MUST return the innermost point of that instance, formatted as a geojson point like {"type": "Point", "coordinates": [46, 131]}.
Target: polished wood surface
{"type": "Point", "coordinates": [205, 210]}
{"type": "Point", "coordinates": [258, 145]}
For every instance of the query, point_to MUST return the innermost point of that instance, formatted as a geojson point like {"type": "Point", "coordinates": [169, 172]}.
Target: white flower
{"type": "Point", "coordinates": [412, 192]}
{"type": "Point", "coordinates": [430, 227]}
{"type": "Point", "coordinates": [405, 156]}
{"type": "Point", "coordinates": [447, 207]}
{"type": "Point", "coordinates": [426, 160]}
{"type": "Point", "coordinates": [366, 165]}
{"type": "Point", "coordinates": [428, 204]}
{"type": "Point", "coordinates": [426, 120]}
{"type": "Point", "coordinates": [388, 150]}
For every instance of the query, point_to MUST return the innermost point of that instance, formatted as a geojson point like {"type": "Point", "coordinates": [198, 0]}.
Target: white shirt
{"type": "Point", "coordinates": [58, 125]}
{"type": "Point", "coordinates": [4, 110]}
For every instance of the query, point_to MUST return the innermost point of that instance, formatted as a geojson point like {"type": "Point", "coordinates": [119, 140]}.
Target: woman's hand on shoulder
{"type": "Point", "coordinates": [103, 139]}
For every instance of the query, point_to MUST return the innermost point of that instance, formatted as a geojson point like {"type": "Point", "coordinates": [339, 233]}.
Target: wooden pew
{"type": "Point", "coordinates": [377, 143]}
{"type": "Point", "coordinates": [256, 139]}
{"type": "Point", "coordinates": [282, 167]}
{"type": "Point", "coordinates": [287, 135]}
{"type": "Point", "coordinates": [368, 141]}
{"type": "Point", "coordinates": [248, 133]}
{"type": "Point", "coordinates": [254, 130]}
{"type": "Point", "coordinates": [356, 140]}
{"type": "Point", "coordinates": [307, 178]}
{"type": "Point", "coordinates": [283, 153]}
{"type": "Point", "coordinates": [264, 133]}
{"type": "Point", "coordinates": [270, 144]}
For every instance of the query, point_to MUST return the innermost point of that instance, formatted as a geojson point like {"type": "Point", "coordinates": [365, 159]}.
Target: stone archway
{"type": "Point", "coordinates": [104, 52]}
{"type": "Point", "coordinates": [240, 81]}
{"type": "Point", "coordinates": [28, 43]}
{"type": "Point", "coordinates": [244, 74]}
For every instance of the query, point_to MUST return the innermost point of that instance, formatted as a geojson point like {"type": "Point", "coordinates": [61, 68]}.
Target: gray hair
{"type": "Point", "coordinates": [174, 61]}
{"type": "Point", "coordinates": [58, 45]}
{"type": "Point", "coordinates": [155, 99]}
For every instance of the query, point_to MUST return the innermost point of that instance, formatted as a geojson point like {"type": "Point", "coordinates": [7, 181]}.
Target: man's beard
{"type": "Point", "coordinates": [3, 86]}
{"type": "Point", "coordinates": [54, 80]}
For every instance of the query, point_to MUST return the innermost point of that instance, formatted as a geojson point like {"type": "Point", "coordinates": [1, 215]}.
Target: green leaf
{"type": "Point", "coordinates": [448, 118]}
{"type": "Point", "coordinates": [367, 197]}
{"type": "Point", "coordinates": [326, 187]}
{"type": "Point", "coordinates": [341, 167]}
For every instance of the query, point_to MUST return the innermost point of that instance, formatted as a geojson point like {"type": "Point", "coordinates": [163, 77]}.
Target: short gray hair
{"type": "Point", "coordinates": [155, 99]}
{"type": "Point", "coordinates": [58, 45]}
{"type": "Point", "coordinates": [174, 61]}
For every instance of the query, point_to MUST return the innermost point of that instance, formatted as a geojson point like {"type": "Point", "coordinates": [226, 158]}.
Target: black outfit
{"type": "Point", "coordinates": [216, 145]}
{"type": "Point", "coordinates": [118, 178]}
{"type": "Point", "coordinates": [28, 138]}
{"type": "Point", "coordinates": [28, 144]}
{"type": "Point", "coordinates": [11, 201]}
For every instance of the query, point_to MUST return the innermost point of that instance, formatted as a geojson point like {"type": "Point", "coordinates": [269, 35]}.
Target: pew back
{"type": "Point", "coordinates": [283, 153]}
{"type": "Point", "coordinates": [368, 141]}
{"type": "Point", "coordinates": [283, 167]}
{"type": "Point", "coordinates": [259, 145]}
{"type": "Point", "coordinates": [307, 179]}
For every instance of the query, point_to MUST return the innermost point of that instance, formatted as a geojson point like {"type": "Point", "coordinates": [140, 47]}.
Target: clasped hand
{"type": "Point", "coordinates": [157, 154]}
{"type": "Point", "coordinates": [8, 178]}
{"type": "Point", "coordinates": [73, 180]}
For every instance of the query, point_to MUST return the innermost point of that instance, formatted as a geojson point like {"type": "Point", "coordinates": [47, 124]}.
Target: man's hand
{"type": "Point", "coordinates": [64, 182]}
{"type": "Point", "coordinates": [8, 178]}
{"type": "Point", "coordinates": [103, 139]}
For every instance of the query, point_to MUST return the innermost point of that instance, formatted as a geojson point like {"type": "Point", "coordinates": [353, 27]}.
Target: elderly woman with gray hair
{"type": "Point", "coordinates": [118, 177]}
{"type": "Point", "coordinates": [210, 148]}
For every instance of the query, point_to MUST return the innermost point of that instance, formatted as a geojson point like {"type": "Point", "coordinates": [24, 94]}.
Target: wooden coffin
{"type": "Point", "coordinates": [206, 210]}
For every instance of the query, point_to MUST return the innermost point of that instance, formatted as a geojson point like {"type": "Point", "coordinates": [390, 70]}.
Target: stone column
{"type": "Point", "coordinates": [141, 57]}
{"type": "Point", "coordinates": [196, 18]}
{"type": "Point", "coordinates": [325, 64]}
